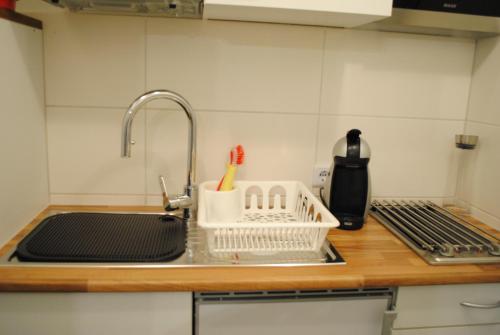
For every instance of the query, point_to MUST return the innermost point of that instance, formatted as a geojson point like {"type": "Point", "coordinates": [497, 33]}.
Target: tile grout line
{"type": "Point", "coordinates": [277, 113]}
{"type": "Point", "coordinates": [100, 194]}
{"type": "Point", "coordinates": [468, 203]}
{"type": "Point", "coordinates": [411, 197]}
{"type": "Point", "coordinates": [88, 107]}
{"type": "Point", "coordinates": [467, 111]}
{"type": "Point", "coordinates": [485, 123]}
{"type": "Point", "coordinates": [157, 195]}
{"type": "Point", "coordinates": [318, 116]}
{"type": "Point", "coordinates": [45, 107]}
{"type": "Point", "coordinates": [460, 177]}
{"type": "Point", "coordinates": [393, 117]}
{"type": "Point", "coordinates": [146, 112]}
{"type": "Point", "coordinates": [331, 115]}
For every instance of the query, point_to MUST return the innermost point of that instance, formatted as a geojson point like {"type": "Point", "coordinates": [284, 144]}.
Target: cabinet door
{"type": "Point", "coordinates": [321, 317]}
{"type": "Point", "coordinates": [468, 330]}
{"type": "Point", "coordinates": [339, 13]}
{"type": "Point", "coordinates": [95, 313]}
{"type": "Point", "coordinates": [439, 305]}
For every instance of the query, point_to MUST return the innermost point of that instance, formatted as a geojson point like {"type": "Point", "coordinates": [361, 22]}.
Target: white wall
{"type": "Point", "coordinates": [23, 173]}
{"type": "Point", "coordinates": [480, 182]}
{"type": "Point", "coordinates": [287, 93]}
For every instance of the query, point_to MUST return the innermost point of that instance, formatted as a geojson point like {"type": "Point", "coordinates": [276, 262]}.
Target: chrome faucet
{"type": "Point", "coordinates": [184, 201]}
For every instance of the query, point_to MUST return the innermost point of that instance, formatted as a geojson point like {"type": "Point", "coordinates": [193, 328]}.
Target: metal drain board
{"type": "Point", "coordinates": [437, 235]}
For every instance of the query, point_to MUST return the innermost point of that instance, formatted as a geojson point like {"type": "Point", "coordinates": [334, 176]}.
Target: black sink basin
{"type": "Point", "coordinates": [104, 237]}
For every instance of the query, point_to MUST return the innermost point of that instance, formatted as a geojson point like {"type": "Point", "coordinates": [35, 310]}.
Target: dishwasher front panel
{"type": "Point", "coordinates": [292, 314]}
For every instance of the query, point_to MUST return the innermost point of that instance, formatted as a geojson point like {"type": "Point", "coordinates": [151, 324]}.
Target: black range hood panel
{"type": "Point", "coordinates": [472, 7]}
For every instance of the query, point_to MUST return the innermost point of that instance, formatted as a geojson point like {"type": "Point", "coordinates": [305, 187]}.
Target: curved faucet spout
{"type": "Point", "coordinates": [168, 95]}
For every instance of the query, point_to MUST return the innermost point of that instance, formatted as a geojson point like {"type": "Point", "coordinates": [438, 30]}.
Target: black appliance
{"type": "Point", "coordinates": [472, 7]}
{"type": "Point", "coordinates": [347, 190]}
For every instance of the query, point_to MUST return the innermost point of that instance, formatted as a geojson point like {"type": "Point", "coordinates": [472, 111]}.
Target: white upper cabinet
{"type": "Point", "coordinates": [338, 13]}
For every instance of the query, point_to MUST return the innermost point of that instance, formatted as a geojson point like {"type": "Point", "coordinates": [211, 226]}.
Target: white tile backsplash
{"type": "Point", "coordinates": [410, 158]}
{"type": "Point", "coordinates": [84, 152]}
{"type": "Point", "coordinates": [485, 92]}
{"type": "Point", "coordinates": [273, 143]}
{"type": "Point", "coordinates": [84, 199]}
{"type": "Point", "coordinates": [479, 183]}
{"type": "Point", "coordinates": [166, 150]}
{"type": "Point", "coordinates": [94, 60]}
{"type": "Point", "coordinates": [481, 177]}
{"type": "Point", "coordinates": [277, 146]}
{"type": "Point", "coordinates": [489, 219]}
{"type": "Point", "coordinates": [400, 75]}
{"type": "Point", "coordinates": [233, 66]}
{"type": "Point", "coordinates": [24, 190]}
{"type": "Point", "coordinates": [261, 85]}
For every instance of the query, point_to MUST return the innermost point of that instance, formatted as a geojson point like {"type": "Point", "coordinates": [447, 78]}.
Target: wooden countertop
{"type": "Point", "coordinates": [375, 258]}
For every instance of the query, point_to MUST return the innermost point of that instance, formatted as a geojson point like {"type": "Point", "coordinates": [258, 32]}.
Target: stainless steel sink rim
{"type": "Point", "coordinates": [196, 255]}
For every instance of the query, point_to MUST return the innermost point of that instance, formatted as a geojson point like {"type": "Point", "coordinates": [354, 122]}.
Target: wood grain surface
{"type": "Point", "coordinates": [375, 258]}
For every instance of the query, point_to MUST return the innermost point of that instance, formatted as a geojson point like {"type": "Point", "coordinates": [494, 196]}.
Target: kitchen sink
{"type": "Point", "coordinates": [194, 252]}
{"type": "Point", "coordinates": [104, 237]}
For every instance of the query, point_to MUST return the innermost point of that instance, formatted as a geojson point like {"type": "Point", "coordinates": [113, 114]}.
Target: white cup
{"type": "Point", "coordinates": [223, 206]}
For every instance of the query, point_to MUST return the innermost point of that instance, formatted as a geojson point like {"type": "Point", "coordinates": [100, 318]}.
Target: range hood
{"type": "Point", "coordinates": [169, 8]}
{"type": "Point", "coordinates": [461, 18]}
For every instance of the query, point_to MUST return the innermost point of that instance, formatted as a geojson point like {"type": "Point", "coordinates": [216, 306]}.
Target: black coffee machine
{"type": "Point", "coordinates": [347, 189]}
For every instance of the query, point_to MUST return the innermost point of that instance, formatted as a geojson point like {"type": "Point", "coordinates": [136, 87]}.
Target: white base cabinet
{"type": "Point", "coordinates": [439, 305]}
{"type": "Point", "coordinates": [96, 313]}
{"type": "Point", "coordinates": [438, 309]}
{"type": "Point", "coordinates": [467, 330]}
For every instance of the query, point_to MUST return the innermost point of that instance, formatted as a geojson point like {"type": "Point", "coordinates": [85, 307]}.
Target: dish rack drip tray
{"type": "Point", "coordinates": [104, 237]}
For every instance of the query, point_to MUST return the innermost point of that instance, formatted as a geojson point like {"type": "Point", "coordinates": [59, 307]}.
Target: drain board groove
{"type": "Point", "coordinates": [104, 237]}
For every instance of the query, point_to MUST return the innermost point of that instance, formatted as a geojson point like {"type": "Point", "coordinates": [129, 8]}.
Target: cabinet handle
{"type": "Point", "coordinates": [484, 306]}
{"type": "Point", "coordinates": [388, 322]}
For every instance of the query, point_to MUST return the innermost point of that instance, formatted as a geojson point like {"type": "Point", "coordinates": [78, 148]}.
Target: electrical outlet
{"type": "Point", "coordinates": [319, 175]}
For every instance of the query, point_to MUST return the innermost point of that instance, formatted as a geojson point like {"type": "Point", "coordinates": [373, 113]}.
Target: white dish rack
{"type": "Point", "coordinates": [263, 217]}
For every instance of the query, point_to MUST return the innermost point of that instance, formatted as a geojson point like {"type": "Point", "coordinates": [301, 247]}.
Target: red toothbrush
{"type": "Point", "coordinates": [236, 157]}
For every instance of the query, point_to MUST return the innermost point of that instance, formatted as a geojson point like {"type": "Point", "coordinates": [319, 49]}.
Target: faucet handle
{"type": "Point", "coordinates": [180, 201]}
{"type": "Point", "coordinates": [164, 193]}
